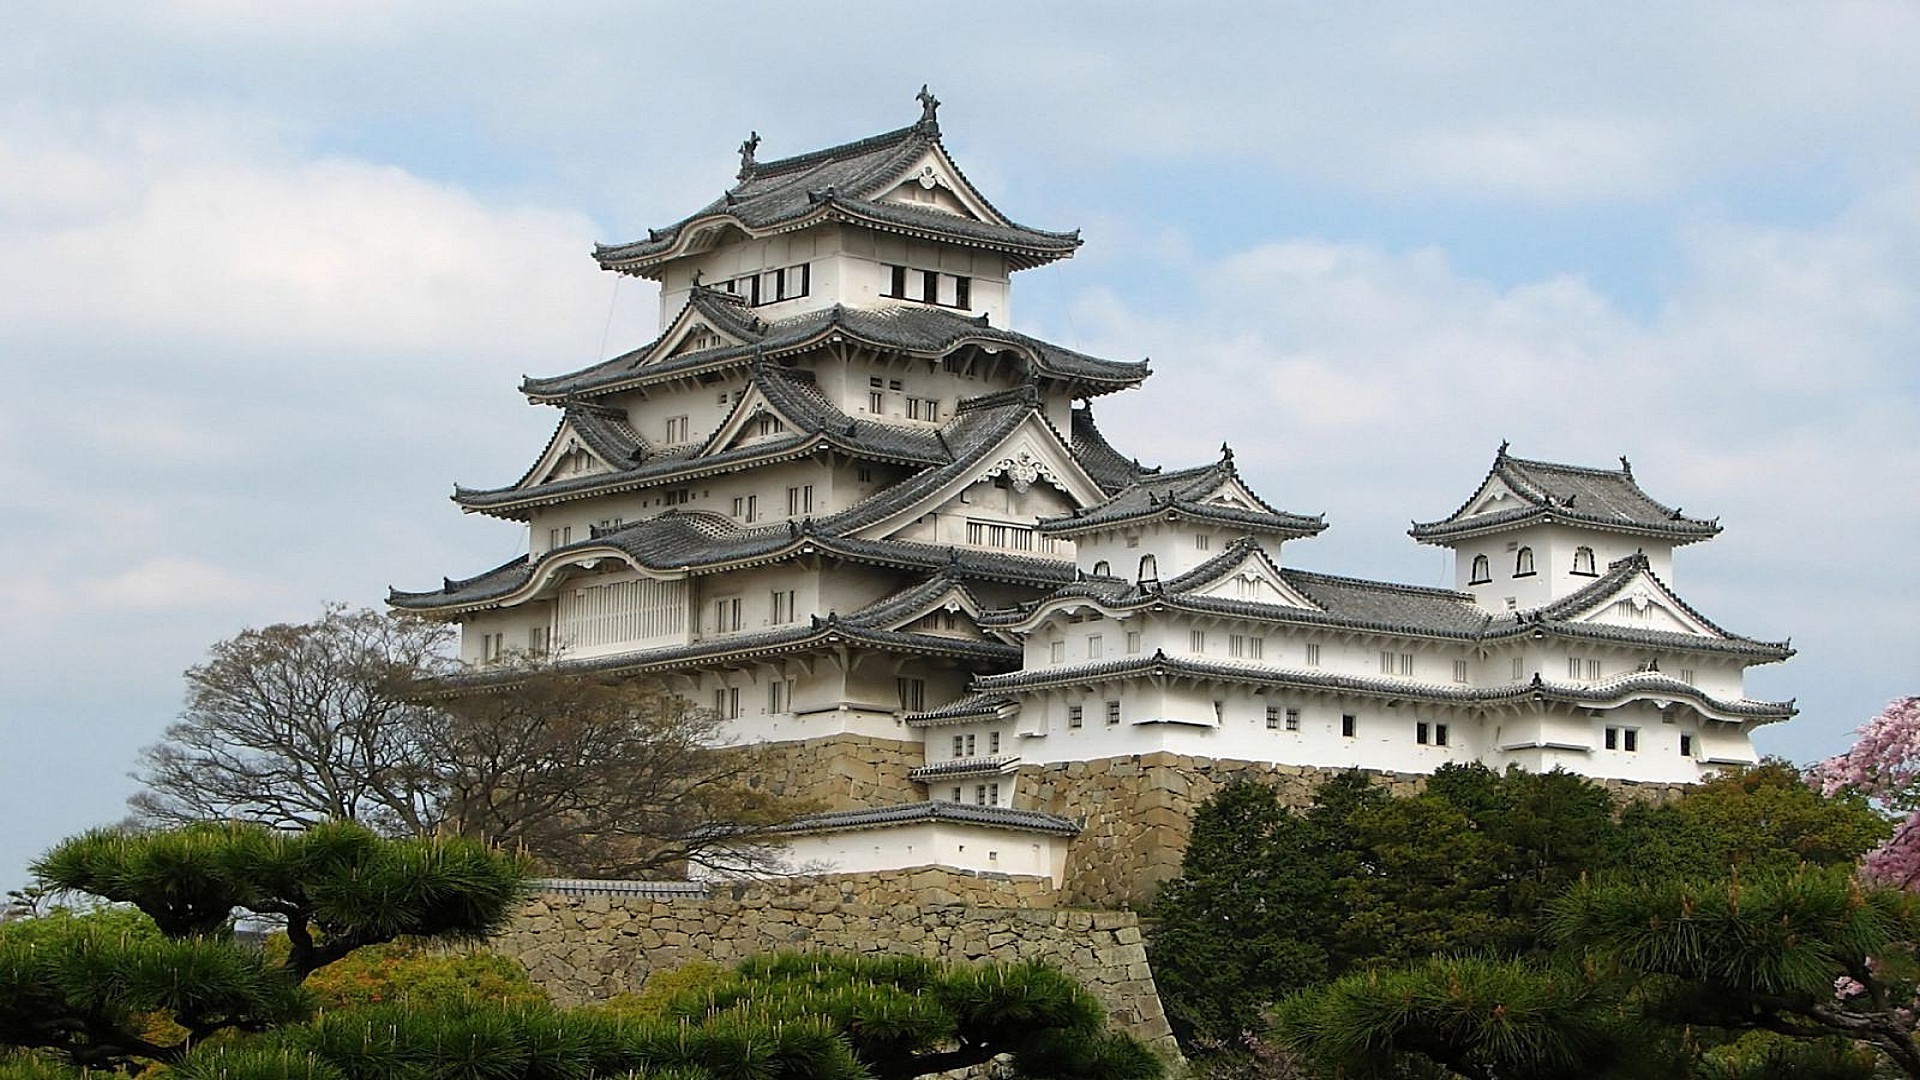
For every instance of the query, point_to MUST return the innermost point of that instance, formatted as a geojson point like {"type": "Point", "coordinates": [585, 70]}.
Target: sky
{"type": "Point", "coordinates": [273, 270]}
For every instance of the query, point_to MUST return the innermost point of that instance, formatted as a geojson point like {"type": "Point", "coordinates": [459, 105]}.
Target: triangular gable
{"type": "Point", "coordinates": [1031, 454]}
{"type": "Point", "coordinates": [1233, 494]}
{"type": "Point", "coordinates": [1254, 579]}
{"type": "Point", "coordinates": [692, 331]}
{"type": "Point", "coordinates": [745, 423]}
{"type": "Point", "coordinates": [1643, 602]}
{"type": "Point", "coordinates": [933, 183]}
{"type": "Point", "coordinates": [1494, 496]}
{"type": "Point", "coordinates": [567, 456]}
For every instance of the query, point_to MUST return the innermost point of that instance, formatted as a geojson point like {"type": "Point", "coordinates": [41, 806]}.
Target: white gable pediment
{"type": "Point", "coordinates": [1255, 580]}
{"type": "Point", "coordinates": [932, 183]}
{"type": "Point", "coordinates": [1492, 498]}
{"type": "Point", "coordinates": [1234, 495]}
{"type": "Point", "coordinates": [567, 456]}
{"type": "Point", "coordinates": [753, 419]}
{"type": "Point", "coordinates": [1030, 461]}
{"type": "Point", "coordinates": [1643, 603]}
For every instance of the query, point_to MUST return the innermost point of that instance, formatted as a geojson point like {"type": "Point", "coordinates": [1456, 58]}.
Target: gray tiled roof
{"type": "Point", "coordinates": [816, 423]}
{"type": "Point", "coordinates": [1160, 665]}
{"type": "Point", "coordinates": [955, 768]}
{"type": "Point", "coordinates": [1108, 467]}
{"type": "Point", "coordinates": [912, 328]}
{"type": "Point", "coordinates": [843, 183]}
{"type": "Point", "coordinates": [969, 707]}
{"type": "Point", "coordinates": [702, 543]}
{"type": "Point", "coordinates": [1388, 607]}
{"type": "Point", "coordinates": [913, 600]}
{"type": "Point", "coordinates": [1597, 498]}
{"type": "Point", "coordinates": [960, 813]}
{"type": "Point", "coordinates": [1182, 495]}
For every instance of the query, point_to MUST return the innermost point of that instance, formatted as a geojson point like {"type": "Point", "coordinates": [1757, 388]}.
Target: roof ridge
{"type": "Point", "coordinates": [855, 148]}
{"type": "Point", "coordinates": [1390, 586]}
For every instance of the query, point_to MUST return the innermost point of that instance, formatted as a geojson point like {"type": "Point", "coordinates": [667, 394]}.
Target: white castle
{"type": "Point", "coordinates": [843, 503]}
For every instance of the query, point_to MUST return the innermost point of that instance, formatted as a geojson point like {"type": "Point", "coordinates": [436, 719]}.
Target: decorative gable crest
{"type": "Point", "coordinates": [1023, 469]}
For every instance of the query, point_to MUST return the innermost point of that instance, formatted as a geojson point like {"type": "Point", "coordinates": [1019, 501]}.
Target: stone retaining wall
{"type": "Point", "coordinates": [841, 772]}
{"type": "Point", "coordinates": [584, 948]}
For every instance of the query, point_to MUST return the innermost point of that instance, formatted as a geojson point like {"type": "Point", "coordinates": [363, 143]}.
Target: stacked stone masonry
{"type": "Point", "coordinates": [586, 948]}
{"type": "Point", "coordinates": [840, 772]}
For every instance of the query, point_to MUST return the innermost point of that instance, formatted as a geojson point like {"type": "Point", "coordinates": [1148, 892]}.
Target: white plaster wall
{"type": "Point", "coordinates": [1553, 548]}
{"type": "Point", "coordinates": [932, 843]}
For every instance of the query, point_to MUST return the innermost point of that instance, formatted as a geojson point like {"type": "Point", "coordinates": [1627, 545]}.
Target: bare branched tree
{"type": "Point", "coordinates": [359, 716]}
{"type": "Point", "coordinates": [601, 776]}
{"type": "Point", "coordinates": [291, 725]}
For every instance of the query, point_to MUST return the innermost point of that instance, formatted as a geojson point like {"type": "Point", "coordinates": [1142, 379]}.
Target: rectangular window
{"type": "Point", "coordinates": [745, 507]}
{"type": "Point", "coordinates": [1244, 647]}
{"type": "Point", "coordinates": [1197, 640]}
{"type": "Point", "coordinates": [963, 293]}
{"type": "Point", "coordinates": [539, 639]}
{"type": "Point", "coordinates": [993, 798]}
{"type": "Point", "coordinates": [1421, 733]}
{"type": "Point", "coordinates": [956, 794]}
{"type": "Point", "coordinates": [781, 607]}
{"type": "Point", "coordinates": [1459, 671]}
{"type": "Point", "coordinates": [980, 794]}
{"type": "Point", "coordinates": [1273, 718]}
{"type": "Point", "coordinates": [1096, 646]}
{"type": "Point", "coordinates": [993, 742]}
{"type": "Point", "coordinates": [1574, 667]}
{"type": "Point", "coordinates": [1348, 725]}
{"type": "Point", "coordinates": [800, 500]}
{"type": "Point", "coordinates": [726, 615]}
{"type": "Point", "coordinates": [1113, 712]}
{"type": "Point", "coordinates": [913, 694]}
{"type": "Point", "coordinates": [1519, 668]}
{"type": "Point", "coordinates": [897, 282]}
{"type": "Point", "coordinates": [1686, 675]}
{"type": "Point", "coordinates": [677, 429]}
{"type": "Point", "coordinates": [876, 403]}
{"type": "Point", "coordinates": [969, 745]}
{"type": "Point", "coordinates": [1133, 642]}
{"type": "Point", "coordinates": [864, 474]}
{"type": "Point", "coordinates": [779, 695]}
{"type": "Point", "coordinates": [726, 703]}
{"type": "Point", "coordinates": [1613, 739]}
{"type": "Point", "coordinates": [1686, 746]}
{"type": "Point", "coordinates": [1386, 662]}
{"type": "Point", "coordinates": [1200, 542]}
{"type": "Point", "coordinates": [1074, 716]}
{"type": "Point", "coordinates": [1293, 719]}
{"type": "Point", "coordinates": [959, 746]}
{"type": "Point", "coordinates": [930, 286]}
{"type": "Point", "coordinates": [1406, 664]}
{"type": "Point", "coordinates": [492, 646]}
{"type": "Point", "coordinates": [1313, 654]}
{"type": "Point", "coordinates": [1593, 671]}
{"type": "Point", "coordinates": [1439, 734]}
{"type": "Point", "coordinates": [1057, 652]}
{"type": "Point", "coordinates": [1630, 739]}
{"type": "Point", "coordinates": [676, 497]}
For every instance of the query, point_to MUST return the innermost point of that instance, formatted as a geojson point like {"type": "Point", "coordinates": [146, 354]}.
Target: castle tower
{"type": "Point", "coordinates": [842, 503]}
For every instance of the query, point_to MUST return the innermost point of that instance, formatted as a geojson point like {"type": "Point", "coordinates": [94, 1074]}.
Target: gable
{"type": "Point", "coordinates": [1234, 495]}
{"type": "Point", "coordinates": [753, 419]}
{"type": "Point", "coordinates": [1254, 580]}
{"type": "Point", "coordinates": [1029, 464]}
{"type": "Point", "coordinates": [932, 183]}
{"type": "Point", "coordinates": [1494, 497]}
{"type": "Point", "coordinates": [565, 458]}
{"type": "Point", "coordinates": [1648, 609]}
{"type": "Point", "coordinates": [691, 332]}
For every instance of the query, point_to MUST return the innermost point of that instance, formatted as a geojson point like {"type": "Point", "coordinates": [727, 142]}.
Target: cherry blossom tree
{"type": "Point", "coordinates": [1884, 765]}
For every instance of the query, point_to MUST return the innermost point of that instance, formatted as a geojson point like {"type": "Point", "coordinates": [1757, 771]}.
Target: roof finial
{"type": "Point", "coordinates": [1226, 452]}
{"type": "Point", "coordinates": [1625, 465]}
{"type": "Point", "coordinates": [929, 107]}
{"type": "Point", "coordinates": [1503, 448]}
{"type": "Point", "coordinates": [746, 154]}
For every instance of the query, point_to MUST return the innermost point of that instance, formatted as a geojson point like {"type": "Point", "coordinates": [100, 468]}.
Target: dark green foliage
{"type": "Point", "coordinates": [112, 990]}
{"type": "Point", "coordinates": [1474, 1017]}
{"type": "Point", "coordinates": [1763, 818]}
{"type": "Point", "coordinates": [1229, 931]}
{"type": "Point", "coordinates": [905, 1017]}
{"type": "Point", "coordinates": [338, 886]}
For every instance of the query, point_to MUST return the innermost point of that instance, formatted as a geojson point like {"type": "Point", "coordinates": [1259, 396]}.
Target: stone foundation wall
{"type": "Point", "coordinates": [842, 772]}
{"type": "Point", "coordinates": [1137, 813]}
{"type": "Point", "coordinates": [584, 948]}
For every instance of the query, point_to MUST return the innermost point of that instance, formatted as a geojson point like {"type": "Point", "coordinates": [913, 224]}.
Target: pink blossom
{"type": "Point", "coordinates": [1884, 766]}
{"type": "Point", "coordinates": [1847, 986]}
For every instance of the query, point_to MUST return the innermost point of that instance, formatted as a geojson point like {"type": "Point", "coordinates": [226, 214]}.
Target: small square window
{"type": "Point", "coordinates": [1313, 654]}
{"type": "Point", "coordinates": [1113, 712]}
{"type": "Point", "coordinates": [1074, 714]}
{"type": "Point", "coordinates": [1293, 719]}
{"type": "Point", "coordinates": [1273, 718]}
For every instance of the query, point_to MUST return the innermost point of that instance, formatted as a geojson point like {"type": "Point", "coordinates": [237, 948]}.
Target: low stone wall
{"type": "Point", "coordinates": [584, 948]}
{"type": "Point", "coordinates": [1137, 813]}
